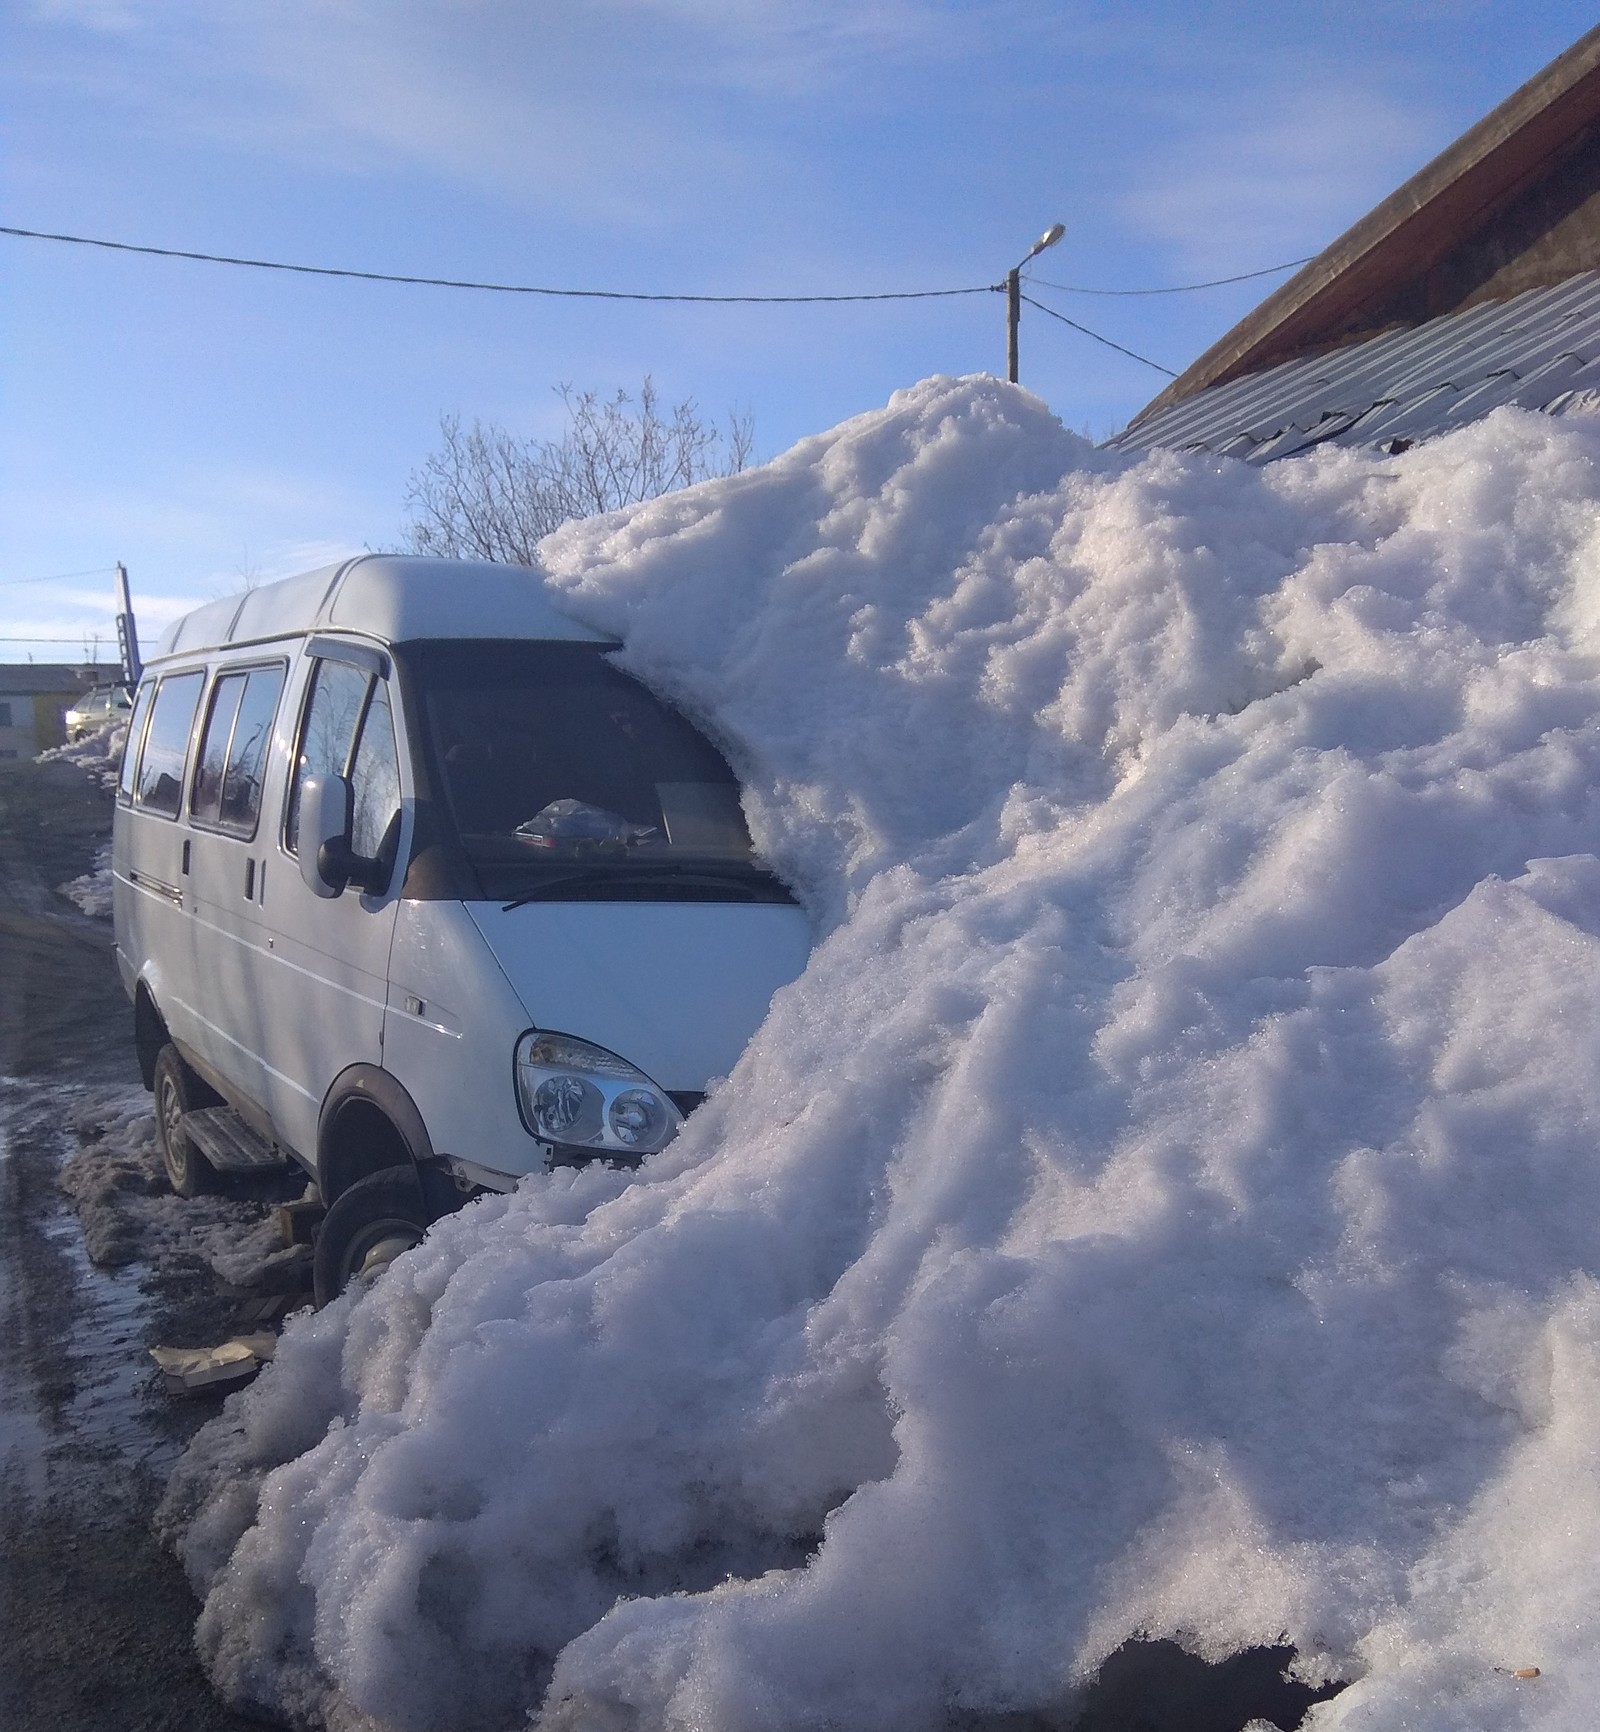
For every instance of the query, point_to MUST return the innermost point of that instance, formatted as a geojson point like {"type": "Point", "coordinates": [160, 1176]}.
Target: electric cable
{"type": "Point", "coordinates": [1133, 354]}
{"type": "Point", "coordinates": [493, 288]}
{"type": "Point", "coordinates": [627, 295]}
{"type": "Point", "coordinates": [1178, 288]}
{"type": "Point", "coordinates": [56, 577]}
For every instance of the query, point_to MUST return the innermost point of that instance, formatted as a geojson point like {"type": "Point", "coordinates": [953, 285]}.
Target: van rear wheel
{"type": "Point", "coordinates": [367, 1227]}
{"type": "Point", "coordinates": [177, 1090]}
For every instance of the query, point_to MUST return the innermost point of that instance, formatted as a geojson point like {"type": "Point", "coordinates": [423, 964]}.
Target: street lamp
{"type": "Point", "coordinates": [1014, 294]}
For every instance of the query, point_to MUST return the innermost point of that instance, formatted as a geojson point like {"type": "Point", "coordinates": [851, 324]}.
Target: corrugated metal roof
{"type": "Point", "coordinates": [1538, 351]}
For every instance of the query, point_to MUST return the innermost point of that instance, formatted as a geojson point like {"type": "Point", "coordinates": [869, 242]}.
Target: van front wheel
{"type": "Point", "coordinates": [176, 1090]}
{"type": "Point", "coordinates": [366, 1229]}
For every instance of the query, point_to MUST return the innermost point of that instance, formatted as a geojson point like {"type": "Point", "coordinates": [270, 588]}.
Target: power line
{"type": "Point", "coordinates": [83, 639]}
{"type": "Point", "coordinates": [58, 577]}
{"type": "Point", "coordinates": [618, 294]}
{"type": "Point", "coordinates": [621, 294]}
{"type": "Point", "coordinates": [1133, 354]}
{"type": "Point", "coordinates": [1180, 288]}
{"type": "Point", "coordinates": [493, 288]}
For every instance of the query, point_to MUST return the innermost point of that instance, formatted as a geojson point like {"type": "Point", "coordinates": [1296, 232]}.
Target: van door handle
{"type": "Point", "coordinates": [185, 857]}
{"type": "Point", "coordinates": [249, 880]}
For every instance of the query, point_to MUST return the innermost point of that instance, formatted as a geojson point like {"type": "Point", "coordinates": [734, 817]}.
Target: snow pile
{"type": "Point", "coordinates": [90, 893]}
{"type": "Point", "coordinates": [100, 753]}
{"type": "Point", "coordinates": [1169, 1201]}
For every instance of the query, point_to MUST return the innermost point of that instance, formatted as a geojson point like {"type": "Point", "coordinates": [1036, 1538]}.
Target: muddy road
{"type": "Point", "coordinates": [95, 1620]}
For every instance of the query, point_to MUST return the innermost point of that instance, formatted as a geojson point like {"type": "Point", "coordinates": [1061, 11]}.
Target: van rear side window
{"type": "Point", "coordinates": [233, 749]}
{"type": "Point", "coordinates": [166, 745]}
{"type": "Point", "coordinates": [206, 799]}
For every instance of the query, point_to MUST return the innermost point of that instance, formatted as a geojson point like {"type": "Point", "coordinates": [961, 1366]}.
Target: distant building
{"type": "Point", "coordinates": [1476, 284]}
{"type": "Point", "coordinates": [34, 700]}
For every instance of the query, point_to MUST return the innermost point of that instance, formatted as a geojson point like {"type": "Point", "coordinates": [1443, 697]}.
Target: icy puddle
{"type": "Point", "coordinates": [112, 1406]}
{"type": "Point", "coordinates": [76, 1381]}
{"type": "Point", "coordinates": [24, 1438]}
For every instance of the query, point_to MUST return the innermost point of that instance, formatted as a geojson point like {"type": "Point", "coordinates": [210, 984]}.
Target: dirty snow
{"type": "Point", "coordinates": [1168, 1202]}
{"type": "Point", "coordinates": [90, 892]}
{"type": "Point", "coordinates": [100, 753]}
{"type": "Point", "coordinates": [126, 1207]}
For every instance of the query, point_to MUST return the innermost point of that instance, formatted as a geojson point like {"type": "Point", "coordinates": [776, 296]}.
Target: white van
{"type": "Point", "coordinates": [416, 888]}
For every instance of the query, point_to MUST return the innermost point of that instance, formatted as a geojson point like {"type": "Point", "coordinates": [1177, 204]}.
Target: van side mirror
{"type": "Point", "coordinates": [325, 834]}
{"type": "Point", "coordinates": [328, 863]}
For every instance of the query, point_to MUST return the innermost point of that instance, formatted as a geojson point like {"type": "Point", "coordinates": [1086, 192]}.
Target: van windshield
{"type": "Point", "coordinates": [567, 780]}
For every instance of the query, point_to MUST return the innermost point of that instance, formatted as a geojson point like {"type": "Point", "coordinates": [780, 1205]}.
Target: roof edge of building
{"type": "Point", "coordinates": [1413, 226]}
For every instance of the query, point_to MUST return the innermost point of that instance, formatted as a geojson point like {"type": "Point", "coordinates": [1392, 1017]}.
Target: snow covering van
{"type": "Point", "coordinates": [414, 887]}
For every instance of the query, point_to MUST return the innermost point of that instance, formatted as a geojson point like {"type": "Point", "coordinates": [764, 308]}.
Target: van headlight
{"type": "Point", "coordinates": [582, 1096]}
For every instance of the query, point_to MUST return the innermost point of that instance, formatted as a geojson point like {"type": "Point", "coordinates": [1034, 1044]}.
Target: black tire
{"type": "Point", "coordinates": [367, 1228]}
{"type": "Point", "coordinates": [178, 1090]}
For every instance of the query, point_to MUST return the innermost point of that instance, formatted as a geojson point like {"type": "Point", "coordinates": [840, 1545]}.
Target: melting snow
{"type": "Point", "coordinates": [99, 753]}
{"type": "Point", "coordinates": [1168, 1202]}
{"type": "Point", "coordinates": [91, 893]}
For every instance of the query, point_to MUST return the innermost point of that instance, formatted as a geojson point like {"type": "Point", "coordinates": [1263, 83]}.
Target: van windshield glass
{"type": "Point", "coordinates": [567, 780]}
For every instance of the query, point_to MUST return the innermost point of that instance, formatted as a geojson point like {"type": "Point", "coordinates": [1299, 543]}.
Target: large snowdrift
{"type": "Point", "coordinates": [1169, 1201]}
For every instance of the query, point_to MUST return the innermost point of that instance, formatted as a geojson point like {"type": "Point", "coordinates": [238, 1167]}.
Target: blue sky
{"type": "Point", "coordinates": [208, 425]}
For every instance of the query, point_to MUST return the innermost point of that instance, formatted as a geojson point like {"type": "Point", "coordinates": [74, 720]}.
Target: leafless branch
{"type": "Point", "coordinates": [486, 494]}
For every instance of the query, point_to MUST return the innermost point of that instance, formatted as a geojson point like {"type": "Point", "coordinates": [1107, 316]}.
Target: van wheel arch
{"type": "Point", "coordinates": [149, 1033]}
{"type": "Point", "coordinates": [368, 1123]}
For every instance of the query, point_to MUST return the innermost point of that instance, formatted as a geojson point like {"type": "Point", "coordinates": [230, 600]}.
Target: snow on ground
{"type": "Point", "coordinates": [90, 892]}
{"type": "Point", "coordinates": [100, 753]}
{"type": "Point", "coordinates": [128, 1211]}
{"type": "Point", "coordinates": [1168, 1202]}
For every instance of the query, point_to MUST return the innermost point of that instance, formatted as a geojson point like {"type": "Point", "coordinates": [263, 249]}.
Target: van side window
{"type": "Point", "coordinates": [233, 749]}
{"type": "Point", "coordinates": [166, 746]}
{"type": "Point", "coordinates": [247, 753]}
{"type": "Point", "coordinates": [327, 733]}
{"type": "Point", "coordinates": [206, 799]}
{"type": "Point", "coordinates": [374, 777]}
{"type": "Point", "coordinates": [130, 746]}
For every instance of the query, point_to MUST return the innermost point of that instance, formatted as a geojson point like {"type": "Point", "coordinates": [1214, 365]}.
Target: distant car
{"type": "Point", "coordinates": [97, 706]}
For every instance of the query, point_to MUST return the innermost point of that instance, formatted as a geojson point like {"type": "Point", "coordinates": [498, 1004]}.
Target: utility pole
{"type": "Point", "coordinates": [127, 631]}
{"type": "Point", "coordinates": [1014, 295]}
{"type": "Point", "coordinates": [1013, 320]}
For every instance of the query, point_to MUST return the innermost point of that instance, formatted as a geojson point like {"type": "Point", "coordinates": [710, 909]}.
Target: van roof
{"type": "Point", "coordinates": [386, 597]}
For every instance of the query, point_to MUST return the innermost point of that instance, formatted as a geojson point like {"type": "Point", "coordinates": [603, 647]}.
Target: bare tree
{"type": "Point", "coordinates": [486, 494]}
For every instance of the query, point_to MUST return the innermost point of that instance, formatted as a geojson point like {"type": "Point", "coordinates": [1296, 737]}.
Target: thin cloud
{"type": "Point", "coordinates": [290, 558]}
{"type": "Point", "coordinates": [618, 111]}
{"type": "Point", "coordinates": [113, 17]}
{"type": "Point", "coordinates": [1284, 176]}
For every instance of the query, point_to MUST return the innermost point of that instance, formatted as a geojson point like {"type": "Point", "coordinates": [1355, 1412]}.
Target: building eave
{"type": "Point", "coordinates": [1412, 229]}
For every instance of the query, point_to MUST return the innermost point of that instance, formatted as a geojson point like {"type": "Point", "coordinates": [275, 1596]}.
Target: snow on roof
{"type": "Point", "coordinates": [1540, 350]}
{"type": "Point", "coordinates": [382, 596]}
{"type": "Point", "coordinates": [1167, 1203]}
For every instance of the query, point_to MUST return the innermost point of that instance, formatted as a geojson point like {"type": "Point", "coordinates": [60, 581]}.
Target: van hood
{"type": "Point", "coordinates": [675, 988]}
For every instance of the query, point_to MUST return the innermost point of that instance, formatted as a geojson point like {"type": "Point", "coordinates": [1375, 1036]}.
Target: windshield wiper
{"type": "Point", "coordinates": [757, 886]}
